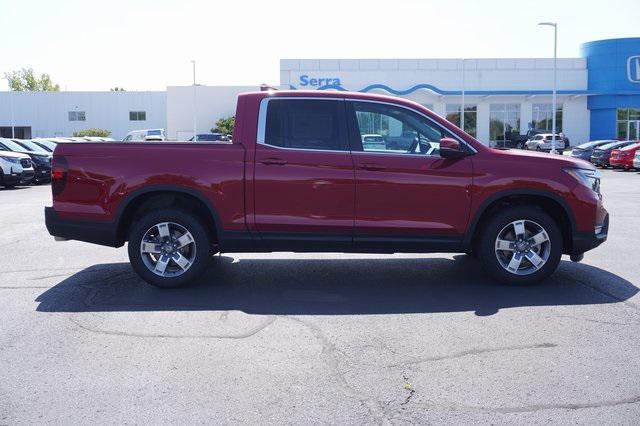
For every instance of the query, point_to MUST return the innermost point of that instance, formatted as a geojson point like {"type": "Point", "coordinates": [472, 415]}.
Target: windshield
{"type": "Point", "coordinates": [594, 143]}
{"type": "Point", "coordinates": [613, 145]}
{"type": "Point", "coordinates": [13, 146]}
{"type": "Point", "coordinates": [32, 146]}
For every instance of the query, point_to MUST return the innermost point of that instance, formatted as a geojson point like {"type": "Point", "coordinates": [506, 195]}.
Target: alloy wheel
{"type": "Point", "coordinates": [523, 247]}
{"type": "Point", "coordinates": [168, 249]}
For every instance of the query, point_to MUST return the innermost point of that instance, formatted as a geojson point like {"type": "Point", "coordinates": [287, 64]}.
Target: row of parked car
{"type": "Point", "coordinates": [610, 153]}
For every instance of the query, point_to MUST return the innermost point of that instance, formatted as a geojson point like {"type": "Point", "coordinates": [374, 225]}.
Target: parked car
{"type": "Point", "coordinates": [41, 159]}
{"type": "Point", "coordinates": [543, 142]}
{"type": "Point", "coordinates": [623, 157]}
{"type": "Point", "coordinates": [16, 169]}
{"type": "Point", "coordinates": [602, 154]}
{"type": "Point", "coordinates": [144, 135]}
{"type": "Point", "coordinates": [294, 179]}
{"type": "Point", "coordinates": [49, 144]}
{"type": "Point", "coordinates": [373, 143]}
{"type": "Point", "coordinates": [209, 137]}
{"type": "Point", "coordinates": [584, 151]}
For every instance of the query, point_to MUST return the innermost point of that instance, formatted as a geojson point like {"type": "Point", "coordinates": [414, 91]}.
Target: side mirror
{"type": "Point", "coordinates": [450, 148]}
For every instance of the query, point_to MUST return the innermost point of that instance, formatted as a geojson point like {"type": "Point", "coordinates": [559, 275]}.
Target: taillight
{"type": "Point", "coordinates": [59, 169]}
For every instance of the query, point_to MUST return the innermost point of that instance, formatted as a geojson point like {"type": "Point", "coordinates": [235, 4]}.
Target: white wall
{"type": "Point", "coordinates": [47, 113]}
{"type": "Point", "coordinates": [212, 103]}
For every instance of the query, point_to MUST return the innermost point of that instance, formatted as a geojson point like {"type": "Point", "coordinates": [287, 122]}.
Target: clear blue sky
{"type": "Point", "coordinates": [148, 44]}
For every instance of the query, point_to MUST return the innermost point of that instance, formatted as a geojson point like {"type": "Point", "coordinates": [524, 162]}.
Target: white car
{"type": "Point", "coordinates": [542, 142]}
{"type": "Point", "coordinates": [16, 169]}
{"type": "Point", "coordinates": [145, 135]}
{"type": "Point", "coordinates": [373, 143]}
{"type": "Point", "coordinates": [636, 160]}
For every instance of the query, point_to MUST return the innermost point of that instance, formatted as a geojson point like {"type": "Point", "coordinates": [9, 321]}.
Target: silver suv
{"type": "Point", "coordinates": [16, 169]}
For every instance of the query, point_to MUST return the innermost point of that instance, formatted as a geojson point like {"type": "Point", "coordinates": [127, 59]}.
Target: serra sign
{"type": "Point", "coordinates": [305, 80]}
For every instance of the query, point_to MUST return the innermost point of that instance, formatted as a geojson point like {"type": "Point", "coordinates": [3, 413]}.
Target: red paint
{"type": "Point", "coordinates": [258, 188]}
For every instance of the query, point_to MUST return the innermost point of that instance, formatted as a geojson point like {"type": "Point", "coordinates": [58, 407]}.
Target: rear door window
{"type": "Point", "coordinates": [306, 124]}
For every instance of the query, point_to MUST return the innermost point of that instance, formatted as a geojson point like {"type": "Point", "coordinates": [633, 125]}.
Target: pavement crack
{"type": "Point", "coordinates": [249, 333]}
{"type": "Point", "coordinates": [328, 353]}
{"type": "Point", "coordinates": [472, 352]}
{"type": "Point", "coordinates": [408, 387]}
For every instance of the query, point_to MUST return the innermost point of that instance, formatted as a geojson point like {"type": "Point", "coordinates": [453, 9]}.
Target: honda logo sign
{"type": "Point", "coordinates": [633, 69]}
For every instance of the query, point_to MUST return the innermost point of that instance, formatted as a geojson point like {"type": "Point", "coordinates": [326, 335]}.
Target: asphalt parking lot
{"type": "Point", "coordinates": [316, 338]}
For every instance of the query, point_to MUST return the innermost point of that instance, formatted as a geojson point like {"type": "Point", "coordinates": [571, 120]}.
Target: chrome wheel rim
{"type": "Point", "coordinates": [523, 247]}
{"type": "Point", "coordinates": [168, 249]}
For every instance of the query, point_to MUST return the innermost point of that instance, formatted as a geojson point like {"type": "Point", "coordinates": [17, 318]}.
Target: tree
{"type": "Point", "coordinates": [225, 125]}
{"type": "Point", "coordinates": [92, 132]}
{"type": "Point", "coordinates": [117, 89]}
{"type": "Point", "coordinates": [26, 80]}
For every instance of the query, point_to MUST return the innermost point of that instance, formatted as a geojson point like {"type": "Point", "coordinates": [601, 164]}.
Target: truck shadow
{"type": "Point", "coordinates": [333, 287]}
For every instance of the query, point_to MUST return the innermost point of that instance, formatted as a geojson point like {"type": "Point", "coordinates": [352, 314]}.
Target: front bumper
{"type": "Point", "coordinates": [103, 233]}
{"type": "Point", "coordinates": [27, 177]}
{"type": "Point", "coordinates": [12, 178]}
{"type": "Point", "coordinates": [585, 241]}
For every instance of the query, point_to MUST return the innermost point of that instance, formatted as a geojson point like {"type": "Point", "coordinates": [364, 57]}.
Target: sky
{"type": "Point", "coordinates": [149, 44]}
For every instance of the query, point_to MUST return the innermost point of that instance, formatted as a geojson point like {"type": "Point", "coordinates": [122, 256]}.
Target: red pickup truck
{"type": "Point", "coordinates": [300, 175]}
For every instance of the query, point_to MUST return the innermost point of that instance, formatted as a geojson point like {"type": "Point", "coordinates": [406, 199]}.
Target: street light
{"type": "Point", "coordinates": [555, 82]}
{"type": "Point", "coordinates": [195, 119]}
{"type": "Point", "coordinates": [13, 129]}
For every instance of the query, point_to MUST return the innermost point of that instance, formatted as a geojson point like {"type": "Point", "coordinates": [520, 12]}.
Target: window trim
{"type": "Point", "coordinates": [262, 123]}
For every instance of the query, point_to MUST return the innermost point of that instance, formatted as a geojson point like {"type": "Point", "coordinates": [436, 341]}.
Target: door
{"type": "Point", "coordinates": [404, 189]}
{"type": "Point", "coordinates": [633, 130]}
{"type": "Point", "coordinates": [304, 179]}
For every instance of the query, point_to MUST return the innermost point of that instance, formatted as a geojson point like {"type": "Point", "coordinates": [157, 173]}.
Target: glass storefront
{"type": "Point", "coordinates": [470, 117]}
{"type": "Point", "coordinates": [503, 120]}
{"type": "Point", "coordinates": [628, 123]}
{"type": "Point", "coordinates": [542, 118]}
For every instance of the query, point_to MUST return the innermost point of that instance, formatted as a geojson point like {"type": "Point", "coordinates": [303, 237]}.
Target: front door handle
{"type": "Point", "coordinates": [372, 166]}
{"type": "Point", "coordinates": [274, 162]}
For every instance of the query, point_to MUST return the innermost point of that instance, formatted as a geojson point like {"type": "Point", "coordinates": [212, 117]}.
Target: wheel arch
{"type": "Point", "coordinates": [159, 196]}
{"type": "Point", "coordinates": [549, 202]}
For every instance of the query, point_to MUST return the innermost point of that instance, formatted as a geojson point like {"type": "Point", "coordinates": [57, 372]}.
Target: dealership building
{"type": "Point", "coordinates": [598, 96]}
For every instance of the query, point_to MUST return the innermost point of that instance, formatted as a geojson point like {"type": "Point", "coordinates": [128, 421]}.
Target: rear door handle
{"type": "Point", "coordinates": [274, 162]}
{"type": "Point", "coordinates": [372, 166]}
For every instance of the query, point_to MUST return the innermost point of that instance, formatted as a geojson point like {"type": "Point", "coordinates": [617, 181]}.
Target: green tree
{"type": "Point", "coordinates": [26, 80]}
{"type": "Point", "coordinates": [92, 132]}
{"type": "Point", "coordinates": [117, 89]}
{"type": "Point", "coordinates": [225, 125]}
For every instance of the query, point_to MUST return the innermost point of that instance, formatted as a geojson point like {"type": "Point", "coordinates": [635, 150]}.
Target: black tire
{"type": "Point", "coordinates": [192, 224]}
{"type": "Point", "coordinates": [486, 244]}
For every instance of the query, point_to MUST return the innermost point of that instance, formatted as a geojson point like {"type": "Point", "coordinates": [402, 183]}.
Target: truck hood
{"type": "Point", "coordinates": [532, 157]}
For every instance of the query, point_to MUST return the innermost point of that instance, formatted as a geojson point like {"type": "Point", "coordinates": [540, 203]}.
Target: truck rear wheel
{"type": "Point", "coordinates": [520, 245]}
{"type": "Point", "coordinates": [169, 247]}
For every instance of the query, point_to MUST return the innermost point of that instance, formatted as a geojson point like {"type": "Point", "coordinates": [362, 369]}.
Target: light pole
{"type": "Point", "coordinates": [195, 113]}
{"type": "Point", "coordinates": [555, 82]}
{"type": "Point", "coordinates": [462, 103]}
{"type": "Point", "coordinates": [13, 128]}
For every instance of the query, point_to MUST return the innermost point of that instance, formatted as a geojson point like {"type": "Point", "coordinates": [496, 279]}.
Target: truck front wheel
{"type": "Point", "coordinates": [169, 247]}
{"type": "Point", "coordinates": [520, 245]}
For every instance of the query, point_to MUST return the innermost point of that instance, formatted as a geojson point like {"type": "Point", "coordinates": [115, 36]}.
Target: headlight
{"type": "Point", "coordinates": [13, 160]}
{"type": "Point", "coordinates": [587, 177]}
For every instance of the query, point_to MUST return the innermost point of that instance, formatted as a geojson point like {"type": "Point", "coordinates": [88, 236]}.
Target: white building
{"type": "Point", "coordinates": [598, 96]}
{"type": "Point", "coordinates": [48, 114]}
{"type": "Point", "coordinates": [500, 95]}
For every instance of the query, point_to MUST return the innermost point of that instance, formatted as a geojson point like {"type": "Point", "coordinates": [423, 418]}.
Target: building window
{"type": "Point", "coordinates": [137, 115]}
{"type": "Point", "coordinates": [470, 117]}
{"type": "Point", "coordinates": [628, 124]}
{"type": "Point", "coordinates": [543, 119]}
{"type": "Point", "coordinates": [77, 116]}
{"type": "Point", "coordinates": [504, 122]}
